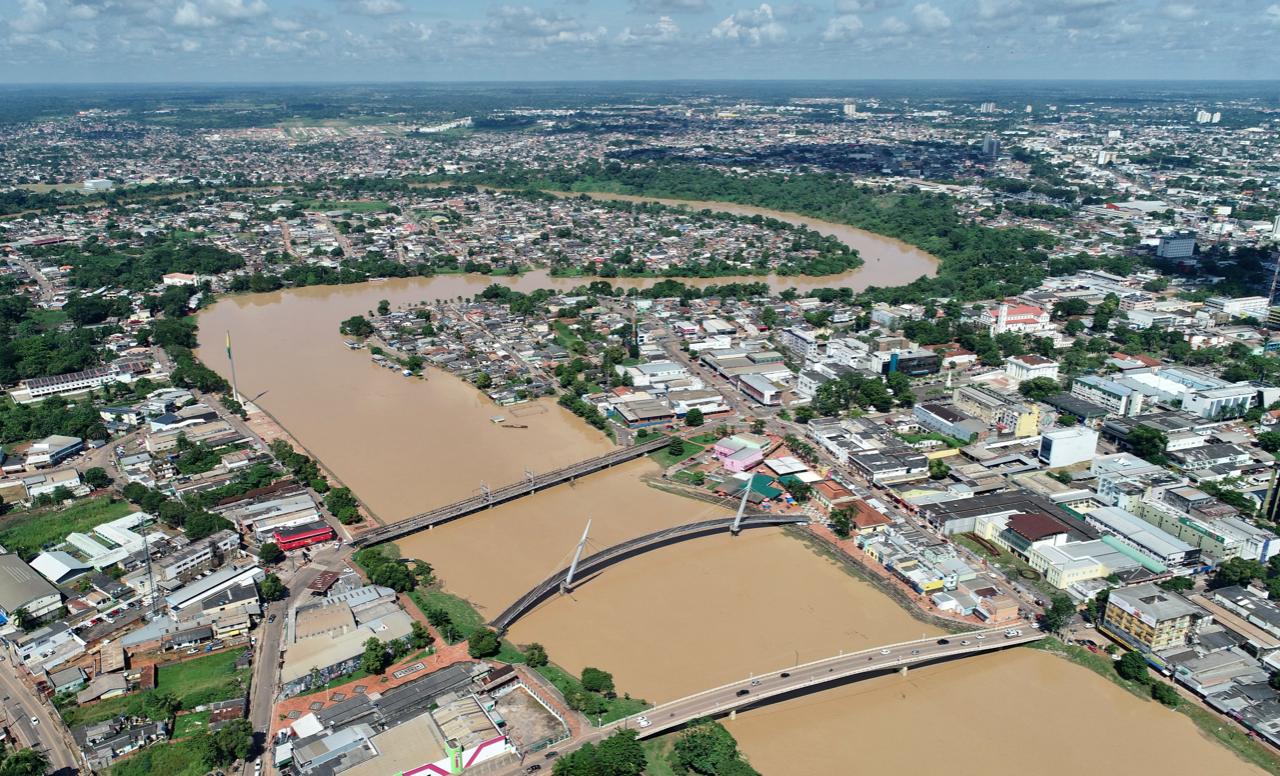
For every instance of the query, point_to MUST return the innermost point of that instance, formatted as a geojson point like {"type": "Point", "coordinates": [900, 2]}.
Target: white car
{"type": "Point", "coordinates": [1012, 633]}
{"type": "Point", "coordinates": [35, 721]}
{"type": "Point", "coordinates": [643, 722]}
{"type": "Point", "coordinates": [980, 636]}
{"type": "Point", "coordinates": [884, 651]}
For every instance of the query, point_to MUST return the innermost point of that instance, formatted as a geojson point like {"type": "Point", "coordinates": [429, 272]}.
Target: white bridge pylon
{"type": "Point", "coordinates": [742, 506]}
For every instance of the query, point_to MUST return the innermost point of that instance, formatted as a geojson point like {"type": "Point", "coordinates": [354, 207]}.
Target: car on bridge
{"type": "Point", "coordinates": [643, 722]}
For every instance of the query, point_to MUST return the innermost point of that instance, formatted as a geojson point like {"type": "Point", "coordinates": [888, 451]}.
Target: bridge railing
{"type": "Point", "coordinates": [822, 662]}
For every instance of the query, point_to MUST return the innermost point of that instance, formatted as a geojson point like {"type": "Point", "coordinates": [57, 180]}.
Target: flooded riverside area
{"type": "Point", "coordinates": [684, 617]}
{"type": "Point", "coordinates": [1049, 717]}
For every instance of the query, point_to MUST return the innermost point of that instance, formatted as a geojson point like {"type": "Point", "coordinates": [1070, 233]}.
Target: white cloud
{"type": "Point", "coordinates": [522, 23]}
{"type": "Point", "coordinates": [215, 13]}
{"type": "Point", "coordinates": [33, 17]}
{"type": "Point", "coordinates": [930, 18]}
{"type": "Point", "coordinates": [412, 32]}
{"type": "Point", "coordinates": [751, 26]}
{"type": "Point", "coordinates": [669, 6]}
{"type": "Point", "coordinates": [860, 6]}
{"type": "Point", "coordinates": [1272, 14]}
{"type": "Point", "coordinates": [842, 28]}
{"type": "Point", "coordinates": [995, 9]}
{"type": "Point", "coordinates": [892, 25]}
{"type": "Point", "coordinates": [1180, 11]}
{"type": "Point", "coordinates": [374, 7]}
{"type": "Point", "coordinates": [665, 30]}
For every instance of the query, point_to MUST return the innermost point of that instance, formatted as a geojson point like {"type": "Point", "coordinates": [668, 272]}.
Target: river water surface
{"type": "Point", "coordinates": [688, 616]}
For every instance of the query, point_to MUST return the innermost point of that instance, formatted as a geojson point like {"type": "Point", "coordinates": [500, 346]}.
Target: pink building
{"type": "Point", "coordinates": [740, 452]}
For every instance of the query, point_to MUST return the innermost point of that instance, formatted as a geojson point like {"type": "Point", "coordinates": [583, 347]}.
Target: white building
{"type": "Point", "coordinates": [1067, 446]}
{"type": "Point", "coordinates": [1228, 402]}
{"type": "Point", "coordinates": [1020, 318]}
{"type": "Point", "coordinates": [1116, 398]}
{"type": "Point", "coordinates": [1239, 307]}
{"type": "Point", "coordinates": [803, 343]}
{"type": "Point", "coordinates": [1030, 366]}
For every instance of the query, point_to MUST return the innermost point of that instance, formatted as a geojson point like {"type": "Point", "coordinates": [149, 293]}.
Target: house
{"type": "Point", "coordinates": [102, 687]}
{"type": "Point", "coordinates": [1030, 366]}
{"type": "Point", "coordinates": [740, 452]}
{"type": "Point", "coordinates": [867, 520]}
{"type": "Point", "coordinates": [832, 495]}
{"type": "Point", "coordinates": [104, 742]}
{"type": "Point", "coordinates": [66, 680]}
{"type": "Point", "coordinates": [1148, 618]}
{"type": "Point", "coordinates": [49, 647]}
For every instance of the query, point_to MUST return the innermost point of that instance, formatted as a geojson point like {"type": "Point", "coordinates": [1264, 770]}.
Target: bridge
{"type": "Point", "coordinates": [564, 579]}
{"type": "Point", "coordinates": [491, 498]}
{"type": "Point", "coordinates": [809, 677]}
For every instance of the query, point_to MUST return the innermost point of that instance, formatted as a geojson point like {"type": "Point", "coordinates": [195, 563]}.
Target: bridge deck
{"type": "Point", "coordinates": [799, 679]}
{"type": "Point", "coordinates": [506, 493]}
{"type": "Point", "coordinates": [632, 547]}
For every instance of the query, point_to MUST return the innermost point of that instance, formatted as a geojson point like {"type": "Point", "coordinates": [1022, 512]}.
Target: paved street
{"type": "Point", "coordinates": [19, 705]}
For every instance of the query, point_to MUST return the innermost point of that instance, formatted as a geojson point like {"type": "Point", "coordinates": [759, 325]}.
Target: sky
{"type": "Point", "coordinates": [125, 41]}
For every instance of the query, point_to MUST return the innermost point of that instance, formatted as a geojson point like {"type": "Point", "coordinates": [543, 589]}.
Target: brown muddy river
{"type": "Point", "coordinates": [684, 617]}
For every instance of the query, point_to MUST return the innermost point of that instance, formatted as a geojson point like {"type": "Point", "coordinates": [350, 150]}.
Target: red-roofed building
{"type": "Point", "coordinates": [832, 495]}
{"type": "Point", "coordinates": [1024, 531]}
{"type": "Point", "coordinates": [304, 536]}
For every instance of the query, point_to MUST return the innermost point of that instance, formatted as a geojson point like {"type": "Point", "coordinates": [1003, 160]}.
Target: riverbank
{"type": "Point", "coordinates": [1211, 724]}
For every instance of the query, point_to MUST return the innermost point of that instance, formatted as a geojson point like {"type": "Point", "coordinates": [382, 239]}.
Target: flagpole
{"type": "Point", "coordinates": [235, 390]}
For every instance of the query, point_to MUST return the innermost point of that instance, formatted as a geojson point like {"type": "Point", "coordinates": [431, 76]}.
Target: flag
{"type": "Point", "coordinates": [228, 344]}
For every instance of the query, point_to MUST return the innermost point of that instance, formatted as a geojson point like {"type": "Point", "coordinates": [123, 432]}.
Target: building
{"type": "Point", "coordinates": [1143, 536]}
{"type": "Point", "coordinates": [38, 388]}
{"type": "Point", "coordinates": [1021, 318]}
{"type": "Point", "coordinates": [803, 343]}
{"type": "Point", "coordinates": [761, 389]}
{"type": "Point", "coordinates": [49, 647]}
{"type": "Point", "coordinates": [1239, 307]}
{"type": "Point", "coordinates": [304, 536]}
{"type": "Point", "coordinates": [1230, 401]}
{"type": "Point", "coordinates": [207, 587]}
{"type": "Point", "coordinates": [1067, 446]}
{"type": "Point", "coordinates": [948, 421]}
{"type": "Point", "coordinates": [1116, 398]}
{"type": "Point", "coordinates": [22, 588]}
{"type": "Point", "coordinates": [1007, 413]}
{"type": "Point", "coordinates": [1030, 366]}
{"type": "Point", "coordinates": [53, 450]}
{"type": "Point", "coordinates": [1150, 618]}
{"type": "Point", "coordinates": [1177, 245]}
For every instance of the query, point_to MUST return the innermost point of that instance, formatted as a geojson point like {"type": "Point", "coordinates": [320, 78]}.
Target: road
{"type": "Point", "coordinates": [46, 287]}
{"type": "Point", "coordinates": [49, 736]}
{"type": "Point", "coordinates": [270, 638]}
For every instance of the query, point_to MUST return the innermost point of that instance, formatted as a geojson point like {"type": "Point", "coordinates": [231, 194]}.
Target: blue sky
{"type": "Point", "coordinates": [434, 40]}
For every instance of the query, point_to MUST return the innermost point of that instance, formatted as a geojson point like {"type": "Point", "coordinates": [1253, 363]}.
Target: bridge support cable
{"type": "Point", "coordinates": [736, 528]}
{"type": "Point", "coordinates": [567, 585]}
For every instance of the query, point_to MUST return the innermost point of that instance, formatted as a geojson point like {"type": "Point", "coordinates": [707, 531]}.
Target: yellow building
{"type": "Point", "coordinates": [1150, 617]}
{"type": "Point", "coordinates": [1009, 414]}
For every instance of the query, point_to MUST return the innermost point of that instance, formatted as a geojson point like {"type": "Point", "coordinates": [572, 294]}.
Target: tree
{"type": "Point", "coordinates": [97, 478]}
{"type": "Point", "coordinates": [1178, 584]}
{"type": "Point", "coordinates": [1059, 613]}
{"type": "Point", "coordinates": [384, 307]}
{"type": "Point", "coordinates": [842, 523]}
{"type": "Point", "coordinates": [420, 637]}
{"type": "Point", "coordinates": [24, 762]}
{"type": "Point", "coordinates": [1133, 666]}
{"type": "Point", "coordinates": [1238, 571]}
{"type": "Point", "coordinates": [707, 748]}
{"type": "Point", "coordinates": [675, 448]}
{"type": "Point", "coordinates": [618, 755]}
{"type": "Point", "coordinates": [1039, 388]}
{"type": "Point", "coordinates": [1165, 694]}
{"type": "Point", "coordinates": [483, 642]}
{"type": "Point", "coordinates": [270, 552]}
{"type": "Point", "coordinates": [375, 658]}
{"type": "Point", "coordinates": [483, 380]}
{"type": "Point", "coordinates": [1269, 441]}
{"type": "Point", "coordinates": [693, 418]}
{"type": "Point", "coordinates": [938, 469]}
{"type": "Point", "coordinates": [1148, 443]}
{"type": "Point", "coordinates": [596, 680]}
{"type": "Point", "coordinates": [535, 655]}
{"type": "Point", "coordinates": [273, 589]}
{"type": "Point", "coordinates": [356, 326]}
{"type": "Point", "coordinates": [233, 741]}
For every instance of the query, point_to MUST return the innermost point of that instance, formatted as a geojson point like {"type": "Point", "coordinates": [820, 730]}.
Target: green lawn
{"type": "Point", "coordinates": [180, 758]}
{"type": "Point", "coordinates": [190, 724]}
{"type": "Point", "coordinates": [565, 337]}
{"type": "Point", "coordinates": [26, 533]}
{"type": "Point", "coordinates": [656, 751]}
{"type": "Point", "coordinates": [666, 459]}
{"type": "Point", "coordinates": [204, 679]}
{"type": "Point", "coordinates": [351, 206]}
{"type": "Point", "coordinates": [103, 710]}
{"type": "Point", "coordinates": [706, 438]}
{"type": "Point", "coordinates": [464, 616]}
{"type": "Point", "coordinates": [568, 684]}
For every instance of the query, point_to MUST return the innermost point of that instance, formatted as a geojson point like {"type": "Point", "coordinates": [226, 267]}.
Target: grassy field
{"type": "Point", "coordinates": [568, 684]}
{"type": "Point", "coordinates": [464, 616]}
{"type": "Point", "coordinates": [656, 751]}
{"type": "Point", "coordinates": [26, 533]}
{"type": "Point", "coordinates": [666, 459]}
{"type": "Point", "coordinates": [204, 679]}
{"type": "Point", "coordinates": [180, 758]}
{"type": "Point", "coordinates": [565, 337]}
{"type": "Point", "coordinates": [350, 206]}
{"type": "Point", "coordinates": [102, 710]}
{"type": "Point", "coordinates": [190, 724]}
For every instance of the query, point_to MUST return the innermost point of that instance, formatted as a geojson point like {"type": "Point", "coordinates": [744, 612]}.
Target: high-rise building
{"type": "Point", "coordinates": [1177, 245]}
{"type": "Point", "coordinates": [851, 109]}
{"type": "Point", "coordinates": [990, 147]}
{"type": "Point", "coordinates": [987, 107]}
{"type": "Point", "coordinates": [1217, 116]}
{"type": "Point", "coordinates": [1275, 228]}
{"type": "Point", "coordinates": [1106, 157]}
{"type": "Point", "coordinates": [1203, 117]}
